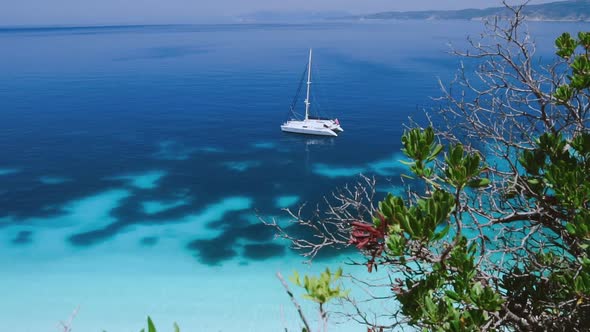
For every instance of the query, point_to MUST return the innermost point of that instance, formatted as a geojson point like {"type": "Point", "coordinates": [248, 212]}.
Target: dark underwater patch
{"type": "Point", "coordinates": [94, 237]}
{"type": "Point", "coordinates": [212, 252]}
{"type": "Point", "coordinates": [257, 232]}
{"type": "Point", "coordinates": [230, 220]}
{"type": "Point", "coordinates": [22, 238]}
{"type": "Point", "coordinates": [149, 241]}
{"type": "Point", "coordinates": [131, 210]}
{"type": "Point", "coordinates": [224, 247]}
{"type": "Point", "coordinates": [254, 232]}
{"type": "Point", "coordinates": [264, 251]}
{"type": "Point", "coordinates": [300, 232]}
{"type": "Point", "coordinates": [235, 225]}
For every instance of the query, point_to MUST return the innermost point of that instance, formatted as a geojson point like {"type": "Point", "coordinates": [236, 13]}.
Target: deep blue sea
{"type": "Point", "coordinates": [135, 161]}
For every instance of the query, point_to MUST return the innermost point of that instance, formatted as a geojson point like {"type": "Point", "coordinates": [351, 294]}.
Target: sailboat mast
{"type": "Point", "coordinates": [307, 101]}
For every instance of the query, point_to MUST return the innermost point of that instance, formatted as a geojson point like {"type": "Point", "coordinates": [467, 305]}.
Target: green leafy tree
{"type": "Point", "coordinates": [494, 230]}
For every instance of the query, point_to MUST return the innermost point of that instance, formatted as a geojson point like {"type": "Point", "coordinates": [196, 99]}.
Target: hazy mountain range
{"type": "Point", "coordinates": [572, 10]}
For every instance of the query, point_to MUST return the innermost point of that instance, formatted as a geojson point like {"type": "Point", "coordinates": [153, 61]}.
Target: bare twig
{"type": "Point", "coordinates": [295, 303]}
{"type": "Point", "coordinates": [67, 326]}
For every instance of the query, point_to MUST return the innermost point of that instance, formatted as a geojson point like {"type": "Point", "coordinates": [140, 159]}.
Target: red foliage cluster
{"type": "Point", "coordinates": [369, 239]}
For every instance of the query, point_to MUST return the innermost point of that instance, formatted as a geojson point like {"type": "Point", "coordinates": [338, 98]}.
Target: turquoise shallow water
{"type": "Point", "coordinates": [134, 161]}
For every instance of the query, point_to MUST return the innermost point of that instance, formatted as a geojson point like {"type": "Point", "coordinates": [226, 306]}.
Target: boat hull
{"type": "Point", "coordinates": [331, 124]}
{"type": "Point", "coordinates": [307, 129]}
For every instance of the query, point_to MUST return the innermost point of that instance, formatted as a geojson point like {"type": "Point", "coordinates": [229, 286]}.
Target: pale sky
{"type": "Point", "coordinates": [73, 12]}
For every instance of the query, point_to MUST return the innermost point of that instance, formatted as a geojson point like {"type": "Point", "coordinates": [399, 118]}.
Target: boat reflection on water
{"type": "Point", "coordinates": [328, 141]}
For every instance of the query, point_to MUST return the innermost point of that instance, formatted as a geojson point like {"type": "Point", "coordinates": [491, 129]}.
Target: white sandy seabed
{"type": "Point", "coordinates": [117, 293]}
{"type": "Point", "coordinates": [117, 283]}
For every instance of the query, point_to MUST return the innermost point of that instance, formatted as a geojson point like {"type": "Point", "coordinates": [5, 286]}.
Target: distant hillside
{"type": "Point", "coordinates": [572, 10]}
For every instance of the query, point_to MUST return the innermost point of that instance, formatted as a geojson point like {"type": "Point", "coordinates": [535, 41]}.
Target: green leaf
{"type": "Point", "coordinates": [151, 327]}
{"type": "Point", "coordinates": [452, 295]}
{"type": "Point", "coordinates": [295, 278]}
{"type": "Point", "coordinates": [566, 45]}
{"type": "Point", "coordinates": [435, 152]}
{"type": "Point", "coordinates": [479, 183]}
{"type": "Point", "coordinates": [406, 226]}
{"type": "Point", "coordinates": [584, 38]}
{"type": "Point", "coordinates": [439, 235]}
{"type": "Point", "coordinates": [570, 228]}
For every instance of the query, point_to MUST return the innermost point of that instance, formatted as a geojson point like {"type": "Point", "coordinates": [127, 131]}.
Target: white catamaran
{"type": "Point", "coordinates": [312, 125]}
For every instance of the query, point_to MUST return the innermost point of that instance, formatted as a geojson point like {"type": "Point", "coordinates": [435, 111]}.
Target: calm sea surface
{"type": "Point", "coordinates": [134, 160]}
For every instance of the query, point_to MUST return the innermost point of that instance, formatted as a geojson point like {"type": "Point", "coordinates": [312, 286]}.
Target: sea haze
{"type": "Point", "coordinates": [136, 160]}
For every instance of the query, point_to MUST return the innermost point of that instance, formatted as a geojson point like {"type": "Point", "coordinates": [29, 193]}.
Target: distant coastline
{"type": "Point", "coordinates": [561, 11]}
